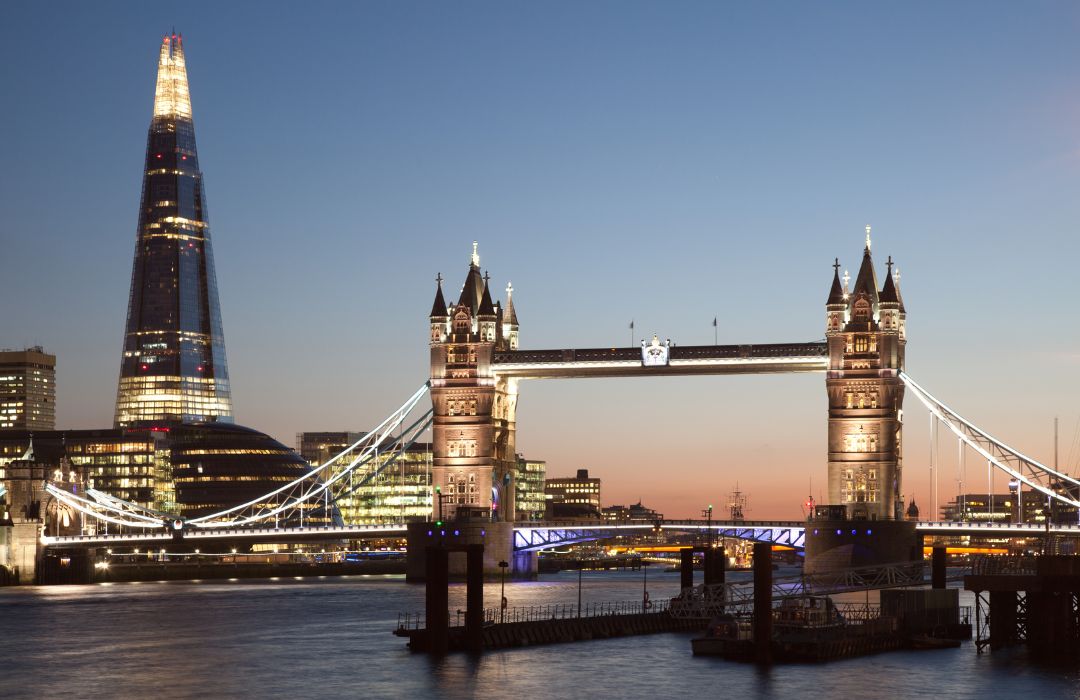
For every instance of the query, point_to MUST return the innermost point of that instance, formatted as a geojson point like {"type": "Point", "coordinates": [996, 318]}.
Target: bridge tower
{"type": "Point", "coordinates": [866, 335]}
{"type": "Point", "coordinates": [473, 429]}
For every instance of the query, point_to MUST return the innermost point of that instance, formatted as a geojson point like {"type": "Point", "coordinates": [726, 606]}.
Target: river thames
{"type": "Point", "coordinates": [332, 637]}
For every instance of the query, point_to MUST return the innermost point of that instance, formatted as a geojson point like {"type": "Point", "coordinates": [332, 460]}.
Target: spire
{"type": "Point", "coordinates": [473, 289]}
{"type": "Point", "coordinates": [486, 308]}
{"type": "Point", "coordinates": [868, 238]}
{"type": "Point", "coordinates": [28, 456]}
{"type": "Point", "coordinates": [896, 285]}
{"type": "Point", "coordinates": [510, 315]}
{"type": "Point", "coordinates": [836, 294]}
{"type": "Point", "coordinates": [888, 292]}
{"type": "Point", "coordinates": [866, 280]}
{"type": "Point", "coordinates": [172, 99]}
{"type": "Point", "coordinates": [438, 308]}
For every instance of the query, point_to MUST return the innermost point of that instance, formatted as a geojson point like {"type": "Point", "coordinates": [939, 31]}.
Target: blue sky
{"type": "Point", "coordinates": [662, 162]}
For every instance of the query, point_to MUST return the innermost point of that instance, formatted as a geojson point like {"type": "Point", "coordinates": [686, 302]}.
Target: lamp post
{"type": "Point", "coordinates": [439, 496]}
{"type": "Point", "coordinates": [645, 604]}
{"type": "Point", "coordinates": [707, 514]}
{"type": "Point", "coordinates": [579, 568]}
{"type": "Point", "coordinates": [502, 592]}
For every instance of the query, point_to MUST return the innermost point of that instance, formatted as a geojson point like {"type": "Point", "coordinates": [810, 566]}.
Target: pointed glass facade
{"type": "Point", "coordinates": [174, 365]}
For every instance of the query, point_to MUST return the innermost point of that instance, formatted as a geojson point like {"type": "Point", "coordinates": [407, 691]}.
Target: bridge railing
{"type": "Point", "coordinates": [538, 613]}
{"type": "Point", "coordinates": [705, 601]}
{"type": "Point", "coordinates": [597, 524]}
{"type": "Point", "coordinates": [1004, 566]}
{"type": "Point", "coordinates": [1005, 527]}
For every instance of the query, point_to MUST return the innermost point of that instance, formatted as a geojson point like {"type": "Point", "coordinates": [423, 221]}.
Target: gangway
{"type": "Point", "coordinates": [707, 601]}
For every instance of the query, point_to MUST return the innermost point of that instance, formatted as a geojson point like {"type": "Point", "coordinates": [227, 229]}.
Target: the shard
{"type": "Point", "coordinates": [174, 367]}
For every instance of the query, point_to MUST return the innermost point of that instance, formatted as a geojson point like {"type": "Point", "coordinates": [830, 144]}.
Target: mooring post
{"type": "Point", "coordinates": [937, 567]}
{"type": "Point", "coordinates": [437, 600]}
{"type": "Point", "coordinates": [1002, 618]}
{"type": "Point", "coordinates": [474, 597]}
{"type": "Point", "coordinates": [763, 602]}
{"type": "Point", "coordinates": [720, 566]}
{"type": "Point", "coordinates": [686, 568]}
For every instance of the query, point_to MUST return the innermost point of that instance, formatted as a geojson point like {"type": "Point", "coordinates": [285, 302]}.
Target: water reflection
{"type": "Point", "coordinates": [322, 638]}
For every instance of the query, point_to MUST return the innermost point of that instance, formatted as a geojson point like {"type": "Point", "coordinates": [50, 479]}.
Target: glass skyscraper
{"type": "Point", "coordinates": [174, 365]}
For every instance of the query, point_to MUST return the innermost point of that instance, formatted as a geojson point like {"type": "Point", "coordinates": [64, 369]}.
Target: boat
{"type": "Point", "coordinates": [807, 616]}
{"type": "Point", "coordinates": [805, 628]}
{"type": "Point", "coordinates": [729, 636]}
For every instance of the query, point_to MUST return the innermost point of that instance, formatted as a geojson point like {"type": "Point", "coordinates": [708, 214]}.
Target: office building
{"type": "Point", "coordinates": [575, 497]}
{"type": "Point", "coordinates": [173, 366]}
{"type": "Point", "coordinates": [27, 389]}
{"type": "Point", "coordinates": [529, 488]}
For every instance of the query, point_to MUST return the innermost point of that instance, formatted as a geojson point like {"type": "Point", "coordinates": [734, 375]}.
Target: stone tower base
{"type": "Point", "coordinates": [832, 545]}
{"type": "Point", "coordinates": [497, 538]}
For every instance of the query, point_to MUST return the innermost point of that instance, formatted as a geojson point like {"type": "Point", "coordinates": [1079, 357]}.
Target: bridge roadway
{"type": "Point", "coordinates": [691, 359]}
{"type": "Point", "coordinates": [538, 536]}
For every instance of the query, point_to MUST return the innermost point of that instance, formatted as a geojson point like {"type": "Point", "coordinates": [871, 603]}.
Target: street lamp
{"type": "Point", "coordinates": [580, 566]}
{"type": "Point", "coordinates": [502, 592]}
{"type": "Point", "coordinates": [439, 495]}
{"type": "Point", "coordinates": [645, 602]}
{"type": "Point", "coordinates": [707, 514]}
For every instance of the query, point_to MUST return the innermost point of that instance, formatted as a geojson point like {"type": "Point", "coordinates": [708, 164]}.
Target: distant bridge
{"type": "Point", "coordinates": [539, 536]}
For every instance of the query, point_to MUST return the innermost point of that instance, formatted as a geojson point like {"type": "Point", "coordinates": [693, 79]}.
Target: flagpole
{"type": "Point", "coordinates": [631, 332]}
{"type": "Point", "coordinates": [715, 332]}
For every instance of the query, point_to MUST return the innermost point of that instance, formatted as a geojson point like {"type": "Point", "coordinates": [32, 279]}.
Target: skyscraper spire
{"type": "Point", "coordinates": [173, 367]}
{"type": "Point", "coordinates": [171, 96]}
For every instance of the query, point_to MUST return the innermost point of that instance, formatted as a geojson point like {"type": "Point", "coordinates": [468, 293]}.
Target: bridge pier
{"type": "Point", "coordinates": [714, 566]}
{"type": "Point", "coordinates": [19, 550]}
{"type": "Point", "coordinates": [496, 537]}
{"type": "Point", "coordinates": [763, 609]}
{"type": "Point", "coordinates": [834, 545]}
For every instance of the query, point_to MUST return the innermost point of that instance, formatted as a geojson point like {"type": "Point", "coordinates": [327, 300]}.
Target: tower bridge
{"type": "Point", "coordinates": [477, 365]}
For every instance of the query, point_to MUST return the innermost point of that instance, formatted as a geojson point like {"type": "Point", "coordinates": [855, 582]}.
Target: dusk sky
{"type": "Point", "coordinates": [662, 162]}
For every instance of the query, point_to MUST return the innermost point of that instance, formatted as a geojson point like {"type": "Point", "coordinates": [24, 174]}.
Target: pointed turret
{"type": "Point", "coordinates": [486, 307]}
{"type": "Point", "coordinates": [866, 281]}
{"type": "Point", "coordinates": [28, 456]}
{"type": "Point", "coordinates": [172, 98]}
{"type": "Point", "coordinates": [896, 288]}
{"type": "Point", "coordinates": [438, 308]}
{"type": "Point", "coordinates": [836, 306]}
{"type": "Point", "coordinates": [486, 317]}
{"type": "Point", "coordinates": [473, 289]}
{"type": "Point", "coordinates": [888, 292]}
{"type": "Point", "coordinates": [912, 512]}
{"type": "Point", "coordinates": [510, 319]}
{"type": "Point", "coordinates": [510, 315]}
{"type": "Point", "coordinates": [836, 294]}
{"type": "Point", "coordinates": [892, 308]}
{"type": "Point", "coordinates": [440, 317]}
